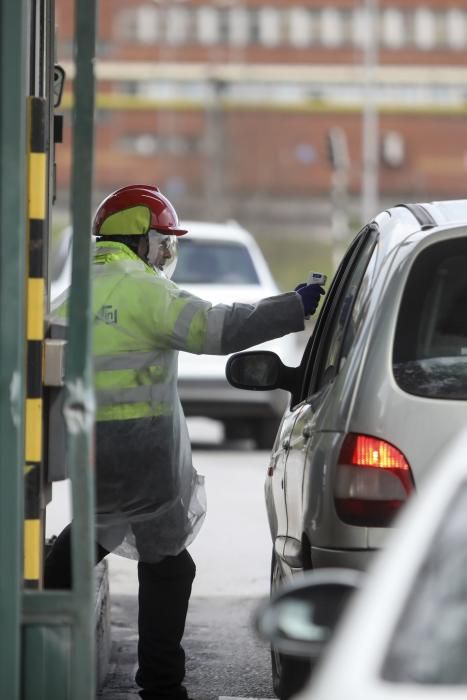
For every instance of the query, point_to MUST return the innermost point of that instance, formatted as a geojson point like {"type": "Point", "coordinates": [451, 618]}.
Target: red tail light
{"type": "Point", "coordinates": [373, 481]}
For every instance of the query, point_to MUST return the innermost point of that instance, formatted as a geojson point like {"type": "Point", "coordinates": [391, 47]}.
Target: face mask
{"type": "Point", "coordinates": [162, 252]}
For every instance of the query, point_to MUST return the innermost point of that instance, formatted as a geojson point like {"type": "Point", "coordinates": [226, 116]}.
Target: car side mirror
{"type": "Point", "coordinates": [300, 618]}
{"type": "Point", "coordinates": [259, 370]}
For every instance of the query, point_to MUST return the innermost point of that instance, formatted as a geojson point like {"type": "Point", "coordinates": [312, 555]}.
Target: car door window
{"type": "Point", "coordinates": [325, 360]}
{"type": "Point", "coordinates": [326, 309]}
{"type": "Point", "coordinates": [430, 642]}
{"type": "Point", "coordinates": [359, 309]}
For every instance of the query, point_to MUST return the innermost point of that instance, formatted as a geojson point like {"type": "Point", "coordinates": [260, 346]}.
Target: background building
{"type": "Point", "coordinates": [228, 105]}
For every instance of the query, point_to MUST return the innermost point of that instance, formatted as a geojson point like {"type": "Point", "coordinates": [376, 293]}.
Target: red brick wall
{"type": "Point", "coordinates": [261, 147]}
{"type": "Point", "coordinates": [261, 153]}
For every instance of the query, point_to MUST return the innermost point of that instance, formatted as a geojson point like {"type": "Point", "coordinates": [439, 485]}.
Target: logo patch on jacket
{"type": "Point", "coordinates": [108, 314]}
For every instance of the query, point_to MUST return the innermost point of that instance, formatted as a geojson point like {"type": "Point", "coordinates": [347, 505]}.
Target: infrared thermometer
{"type": "Point", "coordinates": [316, 278]}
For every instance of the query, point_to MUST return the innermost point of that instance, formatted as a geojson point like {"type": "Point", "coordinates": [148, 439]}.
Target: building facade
{"type": "Point", "coordinates": [228, 105]}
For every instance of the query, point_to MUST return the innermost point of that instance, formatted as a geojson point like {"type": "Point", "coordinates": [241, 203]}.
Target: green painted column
{"type": "Point", "coordinates": [12, 332]}
{"type": "Point", "coordinates": [79, 405]}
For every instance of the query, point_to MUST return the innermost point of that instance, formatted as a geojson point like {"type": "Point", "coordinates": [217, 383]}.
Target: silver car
{"type": "Point", "coordinates": [381, 385]}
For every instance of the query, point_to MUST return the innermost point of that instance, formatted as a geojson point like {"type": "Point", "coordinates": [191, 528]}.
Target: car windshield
{"type": "Point", "coordinates": [430, 348]}
{"type": "Point", "coordinates": [214, 262]}
{"type": "Point", "coordinates": [430, 642]}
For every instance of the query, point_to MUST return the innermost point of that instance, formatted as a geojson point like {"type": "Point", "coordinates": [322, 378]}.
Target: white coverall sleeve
{"type": "Point", "coordinates": [230, 328]}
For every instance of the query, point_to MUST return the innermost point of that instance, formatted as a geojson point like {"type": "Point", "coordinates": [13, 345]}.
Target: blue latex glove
{"type": "Point", "coordinates": [310, 294]}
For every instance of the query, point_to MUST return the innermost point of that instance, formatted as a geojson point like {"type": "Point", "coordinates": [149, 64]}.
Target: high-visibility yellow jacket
{"type": "Point", "coordinates": [140, 321]}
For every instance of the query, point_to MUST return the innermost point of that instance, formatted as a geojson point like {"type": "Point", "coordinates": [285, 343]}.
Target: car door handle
{"type": "Point", "coordinates": [307, 432]}
{"type": "Point", "coordinates": [286, 443]}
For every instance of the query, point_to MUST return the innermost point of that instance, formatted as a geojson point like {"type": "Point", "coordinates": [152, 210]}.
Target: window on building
{"type": "Point", "coordinates": [127, 87]}
{"type": "Point", "coordinates": [148, 144]}
{"type": "Point", "coordinates": [424, 29]}
{"type": "Point", "coordinates": [139, 144]}
{"type": "Point", "coordinates": [300, 27]}
{"type": "Point", "coordinates": [208, 26]}
{"type": "Point", "coordinates": [238, 26]}
{"type": "Point", "coordinates": [455, 29]}
{"type": "Point", "coordinates": [196, 91]}
{"type": "Point", "coordinates": [254, 25]}
{"type": "Point", "coordinates": [147, 24]}
{"type": "Point", "coordinates": [346, 26]}
{"type": "Point", "coordinates": [358, 27]}
{"type": "Point", "coordinates": [179, 145]}
{"type": "Point", "coordinates": [177, 25]}
{"type": "Point", "coordinates": [141, 24]}
{"type": "Point", "coordinates": [331, 27]}
{"type": "Point", "coordinates": [224, 25]}
{"type": "Point", "coordinates": [393, 32]}
{"type": "Point", "coordinates": [125, 25]}
{"type": "Point", "coordinates": [269, 26]}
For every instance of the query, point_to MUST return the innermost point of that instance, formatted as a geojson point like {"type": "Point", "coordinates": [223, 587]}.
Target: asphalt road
{"type": "Point", "coordinates": [233, 549]}
{"type": "Point", "coordinates": [223, 656]}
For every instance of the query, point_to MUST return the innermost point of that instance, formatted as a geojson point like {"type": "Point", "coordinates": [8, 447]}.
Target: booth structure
{"type": "Point", "coordinates": [47, 638]}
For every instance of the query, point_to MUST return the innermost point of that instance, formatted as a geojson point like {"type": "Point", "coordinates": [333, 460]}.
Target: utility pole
{"type": "Point", "coordinates": [214, 150]}
{"type": "Point", "coordinates": [370, 126]}
{"type": "Point", "coordinates": [338, 155]}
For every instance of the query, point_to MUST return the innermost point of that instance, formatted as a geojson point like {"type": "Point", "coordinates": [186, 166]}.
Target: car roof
{"type": "Point", "coordinates": [399, 222]}
{"type": "Point", "coordinates": [209, 230]}
{"type": "Point", "coordinates": [448, 212]}
{"type": "Point", "coordinates": [430, 214]}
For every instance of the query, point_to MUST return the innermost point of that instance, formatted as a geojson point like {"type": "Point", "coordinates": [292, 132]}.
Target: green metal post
{"type": "Point", "coordinates": [79, 405]}
{"type": "Point", "coordinates": [12, 332]}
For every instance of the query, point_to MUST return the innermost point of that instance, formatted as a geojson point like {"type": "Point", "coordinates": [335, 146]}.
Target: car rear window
{"type": "Point", "coordinates": [214, 262]}
{"type": "Point", "coordinates": [430, 348]}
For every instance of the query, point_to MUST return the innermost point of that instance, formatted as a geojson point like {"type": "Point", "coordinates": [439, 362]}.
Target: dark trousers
{"type": "Point", "coordinates": [164, 592]}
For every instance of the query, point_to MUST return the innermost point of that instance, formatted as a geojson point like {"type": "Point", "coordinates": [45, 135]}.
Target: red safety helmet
{"type": "Point", "coordinates": [135, 210]}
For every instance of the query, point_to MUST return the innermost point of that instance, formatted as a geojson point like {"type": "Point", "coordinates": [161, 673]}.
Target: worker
{"type": "Point", "coordinates": [150, 501]}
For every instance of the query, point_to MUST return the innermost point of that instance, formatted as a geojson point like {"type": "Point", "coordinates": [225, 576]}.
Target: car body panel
{"type": "Point", "coordinates": [363, 397]}
{"type": "Point", "coordinates": [324, 528]}
{"type": "Point", "coordinates": [391, 413]}
{"type": "Point", "coordinates": [346, 558]}
{"type": "Point", "coordinates": [355, 664]}
{"type": "Point", "coordinates": [275, 480]}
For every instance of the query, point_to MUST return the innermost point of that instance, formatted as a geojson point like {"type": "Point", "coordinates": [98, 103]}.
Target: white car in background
{"type": "Point", "coordinates": [221, 262]}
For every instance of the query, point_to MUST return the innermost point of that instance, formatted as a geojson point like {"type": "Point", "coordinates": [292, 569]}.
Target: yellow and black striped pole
{"type": "Point", "coordinates": [37, 209]}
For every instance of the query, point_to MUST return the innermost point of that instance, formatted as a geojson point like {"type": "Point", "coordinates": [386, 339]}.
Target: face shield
{"type": "Point", "coordinates": [162, 252]}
